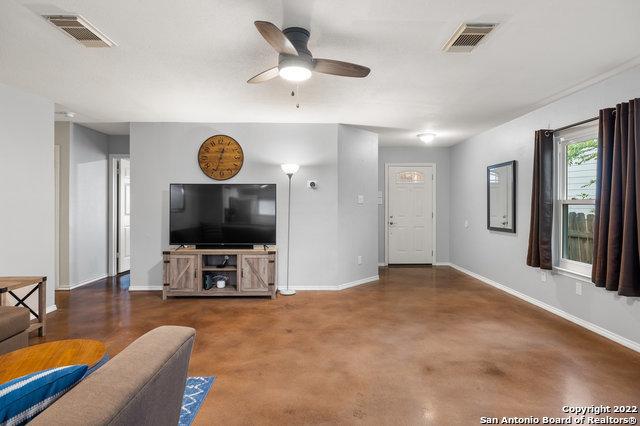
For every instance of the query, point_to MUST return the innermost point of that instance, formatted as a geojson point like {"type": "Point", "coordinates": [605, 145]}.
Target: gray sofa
{"type": "Point", "coordinates": [142, 385]}
{"type": "Point", "coordinates": [14, 322]}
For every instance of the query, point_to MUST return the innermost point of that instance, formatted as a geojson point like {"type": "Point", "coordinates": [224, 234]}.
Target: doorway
{"type": "Point", "coordinates": [119, 214]}
{"type": "Point", "coordinates": [410, 232]}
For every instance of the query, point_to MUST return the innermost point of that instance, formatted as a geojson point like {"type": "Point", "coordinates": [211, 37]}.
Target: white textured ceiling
{"type": "Point", "coordinates": [189, 60]}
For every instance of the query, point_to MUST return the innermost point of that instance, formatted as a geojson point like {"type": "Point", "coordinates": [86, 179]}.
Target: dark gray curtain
{"type": "Point", "coordinates": [539, 253]}
{"type": "Point", "coordinates": [616, 257]}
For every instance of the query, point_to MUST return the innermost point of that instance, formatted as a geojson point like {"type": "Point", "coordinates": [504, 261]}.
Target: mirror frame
{"type": "Point", "coordinates": [512, 229]}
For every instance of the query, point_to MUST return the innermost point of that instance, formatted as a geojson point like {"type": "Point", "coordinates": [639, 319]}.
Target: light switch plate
{"type": "Point", "coordinates": [543, 276]}
{"type": "Point", "coordinates": [578, 288]}
{"type": "Point", "coordinates": [360, 199]}
{"type": "Point", "coordinates": [359, 260]}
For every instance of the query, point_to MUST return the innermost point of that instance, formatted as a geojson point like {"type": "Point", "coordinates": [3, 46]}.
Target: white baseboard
{"type": "Point", "coordinates": [145, 288]}
{"type": "Point", "coordinates": [333, 287]}
{"type": "Point", "coordinates": [83, 283]}
{"type": "Point", "coordinates": [358, 282]}
{"type": "Point", "coordinates": [579, 321]}
{"type": "Point", "coordinates": [382, 265]}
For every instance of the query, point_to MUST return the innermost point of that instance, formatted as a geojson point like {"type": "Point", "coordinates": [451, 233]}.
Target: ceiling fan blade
{"type": "Point", "coordinates": [276, 38]}
{"type": "Point", "coordinates": [345, 69]}
{"type": "Point", "coordinates": [264, 76]}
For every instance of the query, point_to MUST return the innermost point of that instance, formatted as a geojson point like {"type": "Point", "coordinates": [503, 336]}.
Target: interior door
{"type": "Point", "coordinates": [183, 273]}
{"type": "Point", "coordinates": [124, 215]}
{"type": "Point", "coordinates": [410, 214]}
{"type": "Point", "coordinates": [256, 273]}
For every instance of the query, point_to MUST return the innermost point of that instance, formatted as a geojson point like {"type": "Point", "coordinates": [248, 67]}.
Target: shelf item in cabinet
{"type": "Point", "coordinates": [218, 280]}
{"type": "Point", "coordinates": [219, 261]}
{"type": "Point", "coordinates": [230, 289]}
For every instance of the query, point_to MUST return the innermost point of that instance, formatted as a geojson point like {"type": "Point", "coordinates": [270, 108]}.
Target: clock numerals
{"type": "Point", "coordinates": [220, 157]}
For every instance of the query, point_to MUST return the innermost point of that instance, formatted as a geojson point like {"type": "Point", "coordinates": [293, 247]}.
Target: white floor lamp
{"type": "Point", "coordinates": [289, 170]}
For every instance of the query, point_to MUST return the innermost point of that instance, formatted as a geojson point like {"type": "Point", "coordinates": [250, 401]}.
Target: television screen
{"type": "Point", "coordinates": [222, 214]}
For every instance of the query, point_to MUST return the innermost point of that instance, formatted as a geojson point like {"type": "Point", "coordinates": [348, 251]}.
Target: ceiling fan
{"type": "Point", "coordinates": [295, 62]}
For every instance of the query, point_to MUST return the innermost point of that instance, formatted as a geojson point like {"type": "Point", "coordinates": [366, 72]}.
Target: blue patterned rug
{"type": "Point", "coordinates": [195, 392]}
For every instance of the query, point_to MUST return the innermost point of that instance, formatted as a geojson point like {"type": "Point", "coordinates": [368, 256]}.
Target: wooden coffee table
{"type": "Point", "coordinates": [51, 355]}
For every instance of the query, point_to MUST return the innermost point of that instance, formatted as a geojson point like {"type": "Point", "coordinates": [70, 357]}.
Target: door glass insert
{"type": "Point", "coordinates": [410, 177]}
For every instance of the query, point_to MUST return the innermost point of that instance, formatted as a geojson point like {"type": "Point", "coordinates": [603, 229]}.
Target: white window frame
{"type": "Point", "coordinates": [575, 269]}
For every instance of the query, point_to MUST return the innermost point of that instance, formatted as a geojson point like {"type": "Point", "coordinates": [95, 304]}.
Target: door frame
{"type": "Point", "coordinates": [386, 206]}
{"type": "Point", "coordinates": [113, 211]}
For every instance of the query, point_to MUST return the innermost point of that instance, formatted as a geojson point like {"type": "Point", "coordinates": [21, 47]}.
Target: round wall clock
{"type": "Point", "coordinates": [220, 157]}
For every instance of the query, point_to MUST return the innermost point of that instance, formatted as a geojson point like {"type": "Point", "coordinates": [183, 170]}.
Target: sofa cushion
{"type": "Point", "coordinates": [142, 385]}
{"type": "Point", "coordinates": [23, 398]}
{"type": "Point", "coordinates": [13, 320]}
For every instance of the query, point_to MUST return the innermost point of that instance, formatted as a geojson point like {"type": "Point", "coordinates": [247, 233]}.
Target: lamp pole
{"type": "Point", "coordinates": [289, 170]}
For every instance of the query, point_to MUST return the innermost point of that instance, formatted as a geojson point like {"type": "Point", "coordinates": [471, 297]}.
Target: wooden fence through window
{"type": "Point", "coordinates": [579, 243]}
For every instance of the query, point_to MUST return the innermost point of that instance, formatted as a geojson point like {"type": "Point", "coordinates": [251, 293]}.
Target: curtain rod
{"type": "Point", "coordinates": [575, 124]}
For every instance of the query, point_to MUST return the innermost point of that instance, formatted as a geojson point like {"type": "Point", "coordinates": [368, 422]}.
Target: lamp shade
{"type": "Point", "coordinates": [289, 169]}
{"type": "Point", "coordinates": [294, 73]}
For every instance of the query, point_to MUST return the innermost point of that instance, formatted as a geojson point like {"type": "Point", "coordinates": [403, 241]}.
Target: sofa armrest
{"type": "Point", "coordinates": [142, 385]}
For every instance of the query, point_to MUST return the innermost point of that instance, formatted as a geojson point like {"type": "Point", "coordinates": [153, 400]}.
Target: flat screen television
{"type": "Point", "coordinates": [222, 214]}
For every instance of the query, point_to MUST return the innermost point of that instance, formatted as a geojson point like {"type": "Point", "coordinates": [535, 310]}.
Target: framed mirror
{"type": "Point", "coordinates": [501, 197]}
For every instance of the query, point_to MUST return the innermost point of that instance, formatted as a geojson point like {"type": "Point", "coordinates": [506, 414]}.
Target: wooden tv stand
{"type": "Point", "coordinates": [251, 272]}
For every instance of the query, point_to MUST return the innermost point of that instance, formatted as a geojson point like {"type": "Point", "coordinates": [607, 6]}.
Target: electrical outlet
{"type": "Point", "coordinates": [359, 260]}
{"type": "Point", "coordinates": [543, 276]}
{"type": "Point", "coordinates": [578, 288]}
{"type": "Point", "coordinates": [466, 223]}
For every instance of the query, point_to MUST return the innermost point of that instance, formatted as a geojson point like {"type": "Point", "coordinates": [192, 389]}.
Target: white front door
{"type": "Point", "coordinates": [124, 216]}
{"type": "Point", "coordinates": [410, 214]}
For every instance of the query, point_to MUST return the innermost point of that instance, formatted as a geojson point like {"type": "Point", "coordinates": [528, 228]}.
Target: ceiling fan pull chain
{"type": "Point", "coordinates": [298, 92]}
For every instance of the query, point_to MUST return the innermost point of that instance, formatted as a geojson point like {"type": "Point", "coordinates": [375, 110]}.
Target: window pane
{"type": "Point", "coordinates": [577, 233]}
{"type": "Point", "coordinates": [410, 177]}
{"type": "Point", "coordinates": [581, 169]}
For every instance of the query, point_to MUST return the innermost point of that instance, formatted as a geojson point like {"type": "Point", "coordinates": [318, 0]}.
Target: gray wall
{"type": "Point", "coordinates": [118, 144]}
{"type": "Point", "coordinates": [164, 153]}
{"type": "Point", "coordinates": [26, 172]}
{"type": "Point", "coordinates": [62, 139]}
{"type": "Point", "coordinates": [420, 154]}
{"type": "Point", "coordinates": [357, 223]}
{"type": "Point", "coordinates": [88, 205]}
{"type": "Point", "coordinates": [501, 257]}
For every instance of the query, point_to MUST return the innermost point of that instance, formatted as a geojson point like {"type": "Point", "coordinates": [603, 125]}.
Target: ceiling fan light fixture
{"type": "Point", "coordinates": [427, 137]}
{"type": "Point", "coordinates": [294, 73]}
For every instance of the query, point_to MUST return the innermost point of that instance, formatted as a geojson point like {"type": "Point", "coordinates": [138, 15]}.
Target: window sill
{"type": "Point", "coordinates": [572, 274]}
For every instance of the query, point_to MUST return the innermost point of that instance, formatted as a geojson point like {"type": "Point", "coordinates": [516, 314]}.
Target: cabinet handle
{"type": "Point", "coordinates": [195, 272]}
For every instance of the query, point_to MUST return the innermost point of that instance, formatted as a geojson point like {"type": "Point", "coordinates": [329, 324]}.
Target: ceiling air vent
{"type": "Point", "coordinates": [467, 37]}
{"type": "Point", "coordinates": [80, 29]}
